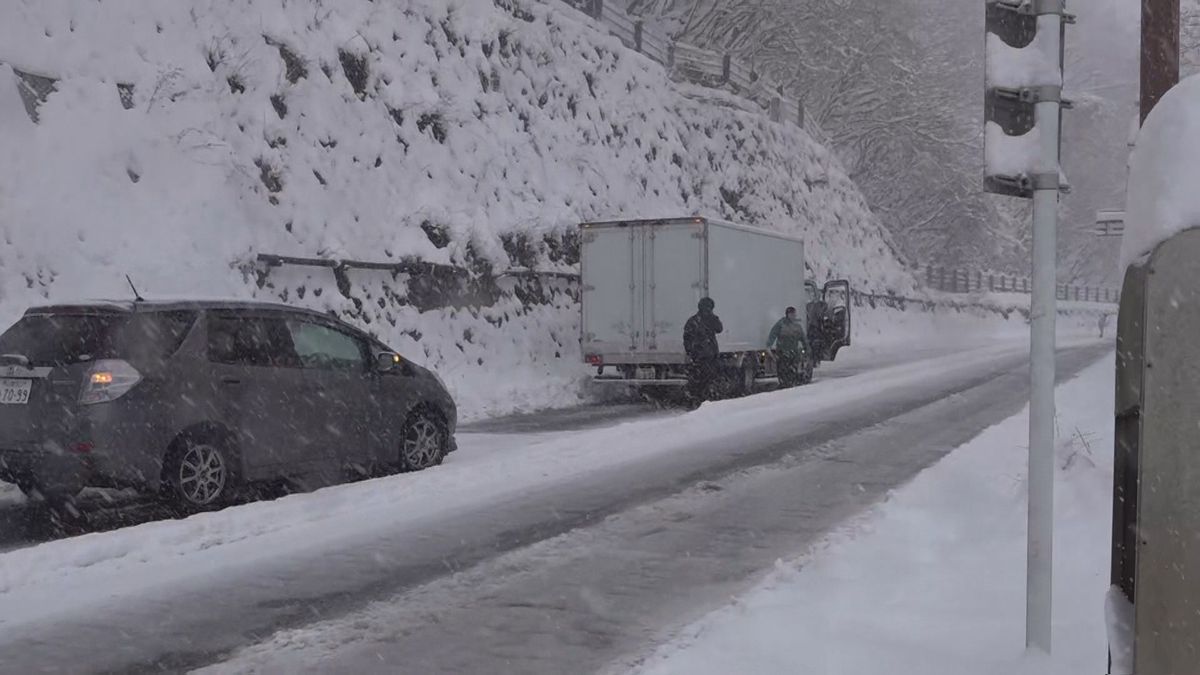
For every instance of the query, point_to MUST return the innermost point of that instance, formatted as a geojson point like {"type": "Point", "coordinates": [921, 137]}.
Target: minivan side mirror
{"type": "Point", "coordinates": [385, 362]}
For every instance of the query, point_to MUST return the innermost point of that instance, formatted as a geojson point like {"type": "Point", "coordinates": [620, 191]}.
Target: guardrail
{"type": "Point", "coordinates": [440, 285]}
{"type": "Point", "coordinates": [701, 66]}
{"type": "Point", "coordinates": [955, 280]}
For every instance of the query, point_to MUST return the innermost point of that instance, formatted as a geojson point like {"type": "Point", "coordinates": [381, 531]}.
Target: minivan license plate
{"type": "Point", "coordinates": [15, 392]}
{"type": "Point", "coordinates": [645, 372]}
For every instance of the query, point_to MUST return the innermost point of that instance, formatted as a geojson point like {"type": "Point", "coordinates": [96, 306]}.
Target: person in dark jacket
{"type": "Point", "coordinates": [788, 338]}
{"type": "Point", "coordinates": [700, 342]}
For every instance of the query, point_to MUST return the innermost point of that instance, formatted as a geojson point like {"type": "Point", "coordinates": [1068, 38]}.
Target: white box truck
{"type": "Point", "coordinates": [642, 279]}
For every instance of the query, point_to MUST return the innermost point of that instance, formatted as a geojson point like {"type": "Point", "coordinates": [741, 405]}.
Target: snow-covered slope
{"type": "Point", "coordinates": [450, 131]}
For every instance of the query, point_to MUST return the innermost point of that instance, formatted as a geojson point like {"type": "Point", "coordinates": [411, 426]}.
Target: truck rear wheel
{"type": "Point", "coordinates": [806, 370]}
{"type": "Point", "coordinates": [748, 376]}
{"type": "Point", "coordinates": [727, 383]}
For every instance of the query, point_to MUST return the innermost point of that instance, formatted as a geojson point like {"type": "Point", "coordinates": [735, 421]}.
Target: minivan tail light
{"type": "Point", "coordinates": [108, 380]}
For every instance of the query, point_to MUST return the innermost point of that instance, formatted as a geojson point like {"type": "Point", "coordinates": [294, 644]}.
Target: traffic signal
{"type": "Point", "coordinates": [1022, 69]}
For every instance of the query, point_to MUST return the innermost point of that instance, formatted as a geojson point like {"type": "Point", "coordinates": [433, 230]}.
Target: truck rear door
{"type": "Point", "coordinates": [611, 267]}
{"type": "Point", "coordinates": [674, 282]}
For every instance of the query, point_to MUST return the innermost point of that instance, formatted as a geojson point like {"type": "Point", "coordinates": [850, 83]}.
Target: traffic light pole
{"type": "Point", "coordinates": [1043, 311]}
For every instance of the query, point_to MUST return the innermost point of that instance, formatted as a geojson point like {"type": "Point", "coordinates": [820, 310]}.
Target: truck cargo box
{"type": "Point", "coordinates": [643, 278]}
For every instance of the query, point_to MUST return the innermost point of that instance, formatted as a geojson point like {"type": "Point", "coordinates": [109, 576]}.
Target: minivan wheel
{"type": "Point", "coordinates": [424, 442]}
{"type": "Point", "coordinates": [199, 474]}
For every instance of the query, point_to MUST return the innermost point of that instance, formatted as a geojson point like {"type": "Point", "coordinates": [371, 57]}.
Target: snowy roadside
{"type": "Point", "coordinates": [932, 580]}
{"type": "Point", "coordinates": [74, 575]}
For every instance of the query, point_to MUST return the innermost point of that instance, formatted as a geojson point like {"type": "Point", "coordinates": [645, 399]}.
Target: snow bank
{"type": "Point", "coordinates": [1162, 199]}
{"type": "Point", "coordinates": [954, 321]}
{"type": "Point", "coordinates": [1120, 615]}
{"type": "Point", "coordinates": [884, 330]}
{"type": "Point", "coordinates": [932, 581]}
{"type": "Point", "coordinates": [183, 139]}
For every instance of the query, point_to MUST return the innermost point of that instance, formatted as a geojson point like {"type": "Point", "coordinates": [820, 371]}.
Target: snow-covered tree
{"type": "Point", "coordinates": [898, 86]}
{"type": "Point", "coordinates": [1189, 37]}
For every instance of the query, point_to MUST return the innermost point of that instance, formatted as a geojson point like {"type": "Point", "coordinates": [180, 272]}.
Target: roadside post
{"type": "Point", "coordinates": [1023, 123]}
{"type": "Point", "coordinates": [1154, 604]}
{"type": "Point", "coordinates": [1156, 466]}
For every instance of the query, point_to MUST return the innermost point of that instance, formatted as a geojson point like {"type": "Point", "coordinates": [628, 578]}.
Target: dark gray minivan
{"type": "Point", "coordinates": [194, 399]}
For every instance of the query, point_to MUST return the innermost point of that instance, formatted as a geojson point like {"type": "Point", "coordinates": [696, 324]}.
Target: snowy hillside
{"type": "Point", "coordinates": [183, 139]}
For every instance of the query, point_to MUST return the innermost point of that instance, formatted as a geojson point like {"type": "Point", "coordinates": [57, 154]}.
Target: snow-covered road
{"type": "Point", "coordinates": [932, 580]}
{"type": "Point", "coordinates": [189, 593]}
{"type": "Point", "coordinates": [104, 510]}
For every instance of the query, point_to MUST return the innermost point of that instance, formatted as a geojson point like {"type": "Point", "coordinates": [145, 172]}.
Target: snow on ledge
{"type": "Point", "coordinates": [1030, 66]}
{"type": "Point", "coordinates": [1162, 199]}
{"type": "Point", "coordinates": [1012, 155]}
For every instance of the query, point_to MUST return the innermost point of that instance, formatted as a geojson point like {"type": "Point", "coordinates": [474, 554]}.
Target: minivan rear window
{"type": "Point", "coordinates": [62, 338]}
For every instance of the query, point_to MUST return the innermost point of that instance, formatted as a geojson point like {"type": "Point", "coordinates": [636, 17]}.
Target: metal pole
{"type": "Point", "coordinates": [1043, 309]}
{"type": "Point", "coordinates": [1160, 51]}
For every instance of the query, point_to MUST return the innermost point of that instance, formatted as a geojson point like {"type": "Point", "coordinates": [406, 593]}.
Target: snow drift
{"type": "Point", "coordinates": [1161, 198]}
{"type": "Point", "coordinates": [177, 141]}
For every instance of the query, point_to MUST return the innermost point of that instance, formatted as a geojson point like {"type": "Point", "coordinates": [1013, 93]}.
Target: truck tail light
{"type": "Point", "coordinates": [108, 380]}
{"type": "Point", "coordinates": [594, 359]}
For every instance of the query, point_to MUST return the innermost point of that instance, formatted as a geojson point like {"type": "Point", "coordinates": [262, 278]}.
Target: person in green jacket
{"type": "Point", "coordinates": [787, 336]}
